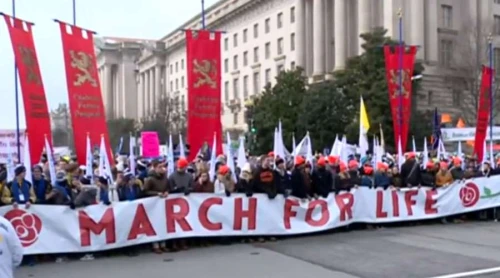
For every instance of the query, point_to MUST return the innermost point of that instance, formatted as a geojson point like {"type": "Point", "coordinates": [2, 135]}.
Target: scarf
{"type": "Point", "coordinates": [17, 190]}
{"type": "Point", "coordinates": [130, 192]}
{"type": "Point", "coordinates": [40, 187]}
{"type": "Point", "coordinates": [104, 196]}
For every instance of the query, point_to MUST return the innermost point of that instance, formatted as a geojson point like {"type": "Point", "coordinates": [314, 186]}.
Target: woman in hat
{"type": "Point", "coordinates": [19, 191]}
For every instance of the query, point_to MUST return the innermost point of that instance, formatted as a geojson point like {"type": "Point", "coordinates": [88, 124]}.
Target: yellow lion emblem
{"type": "Point", "coordinates": [83, 62]}
{"type": "Point", "coordinates": [207, 73]}
{"type": "Point", "coordinates": [395, 80]}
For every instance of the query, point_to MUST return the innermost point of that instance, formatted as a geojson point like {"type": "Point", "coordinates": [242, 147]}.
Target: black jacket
{"type": "Point", "coordinates": [322, 181]}
{"type": "Point", "coordinates": [410, 173]}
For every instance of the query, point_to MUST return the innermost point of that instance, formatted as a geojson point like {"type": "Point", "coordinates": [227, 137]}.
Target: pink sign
{"type": "Point", "coordinates": [150, 144]}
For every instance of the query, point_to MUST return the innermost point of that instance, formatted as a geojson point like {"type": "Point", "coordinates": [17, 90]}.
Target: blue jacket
{"type": "Point", "coordinates": [382, 180]}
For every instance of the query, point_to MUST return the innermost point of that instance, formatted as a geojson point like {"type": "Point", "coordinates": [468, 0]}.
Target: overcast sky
{"type": "Point", "coordinates": [145, 19]}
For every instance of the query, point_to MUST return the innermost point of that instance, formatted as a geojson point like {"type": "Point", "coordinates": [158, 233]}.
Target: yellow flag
{"type": "Point", "coordinates": [363, 117]}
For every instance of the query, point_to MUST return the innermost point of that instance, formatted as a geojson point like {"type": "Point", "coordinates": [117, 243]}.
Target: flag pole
{"type": "Point", "coordinates": [74, 12]}
{"type": "Point", "coordinates": [400, 71]}
{"type": "Point", "coordinates": [490, 46]}
{"type": "Point", "coordinates": [16, 90]}
{"type": "Point", "coordinates": [203, 15]}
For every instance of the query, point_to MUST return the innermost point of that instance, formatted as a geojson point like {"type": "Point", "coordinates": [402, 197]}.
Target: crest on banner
{"type": "Point", "coordinates": [83, 62]}
{"type": "Point", "coordinates": [206, 71]}
{"type": "Point", "coordinates": [405, 76]}
{"type": "Point", "coordinates": [29, 60]}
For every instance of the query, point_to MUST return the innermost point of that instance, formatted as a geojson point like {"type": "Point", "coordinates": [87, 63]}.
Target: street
{"type": "Point", "coordinates": [408, 252]}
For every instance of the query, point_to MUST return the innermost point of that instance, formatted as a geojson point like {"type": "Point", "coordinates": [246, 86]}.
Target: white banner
{"type": "Point", "coordinates": [58, 229]}
{"type": "Point", "coordinates": [466, 134]}
{"type": "Point", "coordinates": [9, 136]}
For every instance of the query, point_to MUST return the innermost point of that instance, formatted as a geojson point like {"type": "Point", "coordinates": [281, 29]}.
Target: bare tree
{"type": "Point", "coordinates": [470, 54]}
{"type": "Point", "coordinates": [169, 117]}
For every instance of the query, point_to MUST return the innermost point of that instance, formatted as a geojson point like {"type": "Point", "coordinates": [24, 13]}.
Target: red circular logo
{"type": "Point", "coordinates": [27, 225]}
{"type": "Point", "coordinates": [469, 194]}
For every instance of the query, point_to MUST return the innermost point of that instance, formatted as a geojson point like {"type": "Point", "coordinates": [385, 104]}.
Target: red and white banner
{"type": "Point", "coordinates": [84, 90]}
{"type": "Point", "coordinates": [58, 229]}
{"type": "Point", "coordinates": [204, 89]}
{"type": "Point", "coordinates": [400, 91]}
{"type": "Point", "coordinates": [36, 110]}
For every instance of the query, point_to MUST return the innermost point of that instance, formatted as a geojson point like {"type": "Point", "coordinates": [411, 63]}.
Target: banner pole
{"type": "Point", "coordinates": [490, 46]}
{"type": "Point", "coordinates": [74, 12]}
{"type": "Point", "coordinates": [202, 14]}
{"type": "Point", "coordinates": [400, 71]}
{"type": "Point", "coordinates": [16, 90]}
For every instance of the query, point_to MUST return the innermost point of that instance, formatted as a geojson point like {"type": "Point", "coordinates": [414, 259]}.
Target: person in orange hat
{"type": "Point", "coordinates": [410, 171]}
{"type": "Point", "coordinates": [443, 176]}
{"type": "Point", "coordinates": [322, 179]}
{"type": "Point", "coordinates": [367, 177]}
{"type": "Point", "coordinates": [299, 179]}
{"type": "Point", "coordinates": [428, 176]}
{"type": "Point", "coordinates": [382, 178]}
{"type": "Point", "coordinates": [354, 172]}
{"type": "Point", "coordinates": [224, 184]}
{"type": "Point", "coordinates": [456, 171]}
{"type": "Point", "coordinates": [342, 180]}
{"type": "Point", "coordinates": [265, 179]}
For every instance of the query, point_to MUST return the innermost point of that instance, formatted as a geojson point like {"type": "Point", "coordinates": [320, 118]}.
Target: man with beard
{"type": "Point", "coordinates": [265, 180]}
{"type": "Point", "coordinates": [322, 179]}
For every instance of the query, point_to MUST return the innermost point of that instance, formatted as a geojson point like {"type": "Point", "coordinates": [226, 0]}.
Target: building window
{"type": "Point", "coordinates": [177, 84]}
{"type": "Point", "coordinates": [176, 67]}
{"type": "Point", "coordinates": [236, 86]}
{"type": "Point", "coordinates": [430, 98]}
{"type": "Point", "coordinates": [235, 62]}
{"type": "Point", "coordinates": [496, 24]}
{"type": "Point", "coordinates": [496, 61]}
{"type": "Point", "coordinates": [171, 86]}
{"type": "Point", "coordinates": [457, 98]}
{"type": "Point", "coordinates": [235, 118]}
{"type": "Point", "coordinates": [183, 103]}
{"type": "Point", "coordinates": [171, 68]}
{"type": "Point", "coordinates": [268, 50]}
{"type": "Point", "coordinates": [292, 14]}
{"type": "Point", "coordinates": [226, 44]}
{"type": "Point", "coordinates": [256, 30]}
{"type": "Point", "coordinates": [280, 46]}
{"type": "Point", "coordinates": [279, 68]}
{"type": "Point", "coordinates": [447, 16]}
{"type": "Point", "coordinates": [280, 20]}
{"type": "Point", "coordinates": [292, 42]}
{"type": "Point", "coordinates": [182, 64]}
{"type": "Point", "coordinates": [497, 1]}
{"type": "Point", "coordinates": [256, 54]}
{"type": "Point", "coordinates": [256, 82]}
{"type": "Point", "coordinates": [267, 26]}
{"type": "Point", "coordinates": [245, 58]}
{"type": "Point", "coordinates": [235, 40]}
{"type": "Point", "coordinates": [182, 82]}
{"type": "Point", "coordinates": [446, 52]}
{"type": "Point", "coordinates": [292, 65]}
{"type": "Point", "coordinates": [268, 76]}
{"type": "Point", "coordinates": [245, 87]}
{"type": "Point", "coordinates": [226, 91]}
{"type": "Point", "coordinates": [245, 35]}
{"type": "Point", "coordinates": [226, 65]}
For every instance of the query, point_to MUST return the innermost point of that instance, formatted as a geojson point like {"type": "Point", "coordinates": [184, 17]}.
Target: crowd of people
{"type": "Point", "coordinates": [267, 174]}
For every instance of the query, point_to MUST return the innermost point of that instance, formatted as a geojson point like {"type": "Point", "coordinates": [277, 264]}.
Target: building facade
{"type": "Point", "coordinates": [264, 37]}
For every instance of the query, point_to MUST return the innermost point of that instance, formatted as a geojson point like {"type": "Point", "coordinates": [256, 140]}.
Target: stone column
{"type": "Point", "coordinates": [364, 21]}
{"type": "Point", "coordinates": [417, 34]}
{"type": "Point", "coordinates": [309, 37]}
{"type": "Point", "coordinates": [328, 35]}
{"type": "Point", "coordinates": [157, 94]}
{"type": "Point", "coordinates": [390, 17]}
{"type": "Point", "coordinates": [146, 93]}
{"type": "Point", "coordinates": [319, 38]}
{"type": "Point", "coordinates": [431, 42]}
{"type": "Point", "coordinates": [300, 31]}
{"type": "Point", "coordinates": [151, 90]}
{"type": "Point", "coordinates": [140, 92]}
{"type": "Point", "coordinates": [340, 34]}
{"type": "Point", "coordinates": [108, 84]}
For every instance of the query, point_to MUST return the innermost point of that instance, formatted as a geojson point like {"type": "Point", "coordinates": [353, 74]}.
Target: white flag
{"type": "Point", "coordinates": [170, 156]}
{"type": "Point", "coordinates": [182, 152]}
{"type": "Point", "coordinates": [88, 164]}
{"type": "Point", "coordinates": [50, 160]}
{"type": "Point", "coordinates": [27, 159]}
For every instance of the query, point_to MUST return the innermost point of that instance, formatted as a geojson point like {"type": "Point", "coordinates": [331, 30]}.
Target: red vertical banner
{"type": "Point", "coordinates": [204, 89]}
{"type": "Point", "coordinates": [483, 112]}
{"type": "Point", "coordinates": [400, 99]}
{"type": "Point", "coordinates": [30, 78]}
{"type": "Point", "coordinates": [84, 91]}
